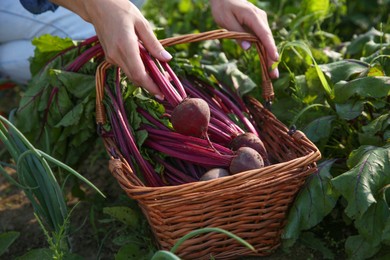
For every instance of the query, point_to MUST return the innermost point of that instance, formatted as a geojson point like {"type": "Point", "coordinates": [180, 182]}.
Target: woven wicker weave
{"type": "Point", "coordinates": [252, 204]}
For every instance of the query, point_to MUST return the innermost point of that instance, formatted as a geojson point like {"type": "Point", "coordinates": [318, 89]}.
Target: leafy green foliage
{"type": "Point", "coordinates": [6, 240]}
{"type": "Point", "coordinates": [123, 214]}
{"type": "Point", "coordinates": [37, 253]}
{"type": "Point", "coordinates": [368, 176]}
{"type": "Point", "coordinates": [56, 111]}
{"type": "Point", "coordinates": [40, 185]}
{"type": "Point", "coordinates": [334, 84]}
{"type": "Point", "coordinates": [316, 200]}
{"type": "Point", "coordinates": [47, 47]}
{"type": "Point", "coordinates": [364, 187]}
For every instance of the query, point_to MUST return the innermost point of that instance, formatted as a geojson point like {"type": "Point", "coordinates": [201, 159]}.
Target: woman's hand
{"type": "Point", "coordinates": [243, 16]}
{"type": "Point", "coordinates": [119, 26]}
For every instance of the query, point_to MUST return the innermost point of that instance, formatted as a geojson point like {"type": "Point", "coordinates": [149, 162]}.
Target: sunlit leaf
{"type": "Point", "coordinates": [317, 7]}
{"type": "Point", "coordinates": [46, 47]}
{"type": "Point", "coordinates": [184, 6]}
{"type": "Point", "coordinates": [375, 71]}
{"type": "Point", "coordinates": [304, 47]}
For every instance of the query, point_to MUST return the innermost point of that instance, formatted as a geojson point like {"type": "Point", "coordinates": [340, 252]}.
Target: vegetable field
{"type": "Point", "coordinates": [59, 200]}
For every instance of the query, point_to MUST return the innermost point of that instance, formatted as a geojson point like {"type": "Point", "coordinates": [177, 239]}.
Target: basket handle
{"type": "Point", "coordinates": [267, 88]}
{"type": "Point", "coordinates": [99, 81]}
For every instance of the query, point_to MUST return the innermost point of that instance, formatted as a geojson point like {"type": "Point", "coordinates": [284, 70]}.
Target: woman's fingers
{"type": "Point", "coordinates": [241, 15]}
{"type": "Point", "coordinates": [120, 36]}
{"type": "Point", "coordinates": [149, 40]}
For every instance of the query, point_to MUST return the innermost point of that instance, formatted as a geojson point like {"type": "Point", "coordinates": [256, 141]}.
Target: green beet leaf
{"type": "Point", "coordinates": [57, 110]}
{"type": "Point", "coordinates": [358, 248]}
{"type": "Point", "coordinates": [310, 240]}
{"type": "Point", "coordinates": [373, 222]}
{"type": "Point", "coordinates": [6, 240]}
{"type": "Point", "coordinates": [367, 87]}
{"type": "Point", "coordinates": [315, 201]}
{"type": "Point", "coordinates": [133, 251]}
{"type": "Point", "coordinates": [361, 185]}
{"type": "Point", "coordinates": [357, 44]}
{"type": "Point", "coordinates": [37, 254]}
{"type": "Point", "coordinates": [343, 70]}
{"type": "Point", "coordinates": [386, 233]}
{"type": "Point", "coordinates": [350, 109]}
{"type": "Point", "coordinates": [376, 132]}
{"type": "Point", "coordinates": [77, 84]}
{"type": "Point", "coordinates": [123, 214]}
{"type": "Point", "coordinates": [319, 128]}
{"type": "Point", "coordinates": [378, 125]}
{"type": "Point", "coordinates": [229, 74]}
{"type": "Point", "coordinates": [46, 48]}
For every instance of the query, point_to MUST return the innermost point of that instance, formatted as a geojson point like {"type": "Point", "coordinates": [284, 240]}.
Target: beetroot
{"type": "Point", "coordinates": [191, 117]}
{"type": "Point", "coordinates": [250, 140]}
{"type": "Point", "coordinates": [214, 174]}
{"type": "Point", "coordinates": [246, 159]}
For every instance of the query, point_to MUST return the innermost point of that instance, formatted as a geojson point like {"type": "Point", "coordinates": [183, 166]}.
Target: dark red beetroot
{"type": "Point", "coordinates": [250, 140]}
{"type": "Point", "coordinates": [214, 174]}
{"type": "Point", "coordinates": [246, 159]}
{"type": "Point", "coordinates": [191, 117]}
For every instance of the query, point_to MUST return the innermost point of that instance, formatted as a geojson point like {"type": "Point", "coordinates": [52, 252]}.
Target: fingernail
{"type": "Point", "coordinates": [276, 71]}
{"type": "Point", "coordinates": [245, 45]}
{"type": "Point", "coordinates": [166, 55]}
{"type": "Point", "coordinates": [276, 56]}
{"type": "Point", "coordinates": [159, 97]}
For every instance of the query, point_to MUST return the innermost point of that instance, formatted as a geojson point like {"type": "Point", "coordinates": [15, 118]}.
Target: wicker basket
{"type": "Point", "coordinates": [252, 204]}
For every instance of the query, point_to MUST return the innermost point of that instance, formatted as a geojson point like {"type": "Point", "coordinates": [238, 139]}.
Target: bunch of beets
{"type": "Point", "coordinates": [211, 132]}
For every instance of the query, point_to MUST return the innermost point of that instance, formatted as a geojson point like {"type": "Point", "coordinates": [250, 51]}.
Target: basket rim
{"type": "Point", "coordinates": [121, 171]}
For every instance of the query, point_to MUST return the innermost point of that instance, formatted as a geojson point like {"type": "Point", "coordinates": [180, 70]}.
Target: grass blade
{"type": "Point", "coordinates": [207, 230]}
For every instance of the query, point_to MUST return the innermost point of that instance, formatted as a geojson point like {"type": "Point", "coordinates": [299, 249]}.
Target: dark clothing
{"type": "Point", "coordinates": [38, 6]}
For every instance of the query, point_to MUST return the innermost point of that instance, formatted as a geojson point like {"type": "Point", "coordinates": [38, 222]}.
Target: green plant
{"type": "Point", "coordinates": [334, 85]}
{"type": "Point", "coordinates": [350, 123]}
{"type": "Point", "coordinates": [163, 254]}
{"type": "Point", "coordinates": [37, 180]}
{"type": "Point", "coordinates": [338, 94]}
{"type": "Point", "coordinates": [6, 240]}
